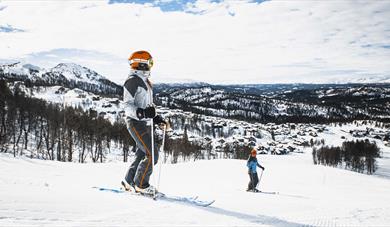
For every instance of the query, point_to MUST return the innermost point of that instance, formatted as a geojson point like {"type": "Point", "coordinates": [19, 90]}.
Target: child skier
{"type": "Point", "coordinates": [252, 165]}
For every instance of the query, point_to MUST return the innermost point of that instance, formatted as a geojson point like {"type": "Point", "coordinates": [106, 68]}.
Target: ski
{"type": "Point", "coordinates": [272, 193]}
{"type": "Point", "coordinates": [159, 195]}
{"type": "Point", "coordinates": [264, 192]}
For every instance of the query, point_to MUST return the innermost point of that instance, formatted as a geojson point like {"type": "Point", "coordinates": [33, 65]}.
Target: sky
{"type": "Point", "coordinates": [220, 42]}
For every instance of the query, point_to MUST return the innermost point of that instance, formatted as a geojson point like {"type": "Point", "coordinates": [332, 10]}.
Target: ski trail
{"type": "Point", "coordinates": [251, 218]}
{"type": "Point", "coordinates": [116, 217]}
{"type": "Point", "coordinates": [257, 219]}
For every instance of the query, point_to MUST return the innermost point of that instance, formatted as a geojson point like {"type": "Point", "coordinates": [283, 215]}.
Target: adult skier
{"type": "Point", "coordinates": [139, 109]}
{"type": "Point", "coordinates": [252, 165]}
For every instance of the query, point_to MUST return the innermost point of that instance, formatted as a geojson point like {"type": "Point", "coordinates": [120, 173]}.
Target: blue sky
{"type": "Point", "coordinates": [167, 5]}
{"type": "Point", "coordinates": [205, 40]}
{"type": "Point", "coordinates": [175, 5]}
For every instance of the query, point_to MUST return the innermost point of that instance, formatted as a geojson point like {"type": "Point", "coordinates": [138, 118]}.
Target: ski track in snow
{"type": "Point", "coordinates": [49, 193]}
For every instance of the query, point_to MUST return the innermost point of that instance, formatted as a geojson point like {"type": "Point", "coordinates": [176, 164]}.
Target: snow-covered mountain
{"type": "Point", "coordinates": [69, 75]}
{"type": "Point", "coordinates": [363, 79]}
{"type": "Point", "coordinates": [76, 72]}
{"type": "Point", "coordinates": [18, 71]}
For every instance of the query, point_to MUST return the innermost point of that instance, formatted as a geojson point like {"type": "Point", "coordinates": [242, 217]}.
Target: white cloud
{"type": "Point", "coordinates": [231, 41]}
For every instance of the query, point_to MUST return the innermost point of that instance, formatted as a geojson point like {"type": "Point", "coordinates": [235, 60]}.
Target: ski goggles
{"type": "Point", "coordinates": [138, 62]}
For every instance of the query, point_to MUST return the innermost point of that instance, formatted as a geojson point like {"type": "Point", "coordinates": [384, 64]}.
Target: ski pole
{"type": "Point", "coordinates": [152, 143]}
{"type": "Point", "coordinates": [260, 177]}
{"type": "Point", "coordinates": [253, 182]}
{"type": "Point", "coordinates": [161, 151]}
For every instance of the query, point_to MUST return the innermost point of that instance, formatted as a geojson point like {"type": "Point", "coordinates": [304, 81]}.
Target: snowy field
{"type": "Point", "coordinates": [49, 193]}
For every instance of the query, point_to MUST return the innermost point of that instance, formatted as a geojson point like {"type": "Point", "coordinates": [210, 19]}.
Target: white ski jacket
{"type": "Point", "coordinates": [137, 93]}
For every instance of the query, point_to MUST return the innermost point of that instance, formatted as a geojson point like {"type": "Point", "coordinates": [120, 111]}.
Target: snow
{"type": "Point", "coordinates": [17, 70]}
{"type": "Point", "coordinates": [48, 193]}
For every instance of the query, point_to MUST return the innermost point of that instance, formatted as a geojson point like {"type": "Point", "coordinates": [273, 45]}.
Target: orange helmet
{"type": "Point", "coordinates": [141, 60]}
{"type": "Point", "coordinates": [253, 152]}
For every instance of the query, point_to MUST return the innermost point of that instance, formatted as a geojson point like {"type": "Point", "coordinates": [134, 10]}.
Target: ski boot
{"type": "Point", "coordinates": [146, 191]}
{"type": "Point", "coordinates": [252, 190]}
{"type": "Point", "coordinates": [127, 186]}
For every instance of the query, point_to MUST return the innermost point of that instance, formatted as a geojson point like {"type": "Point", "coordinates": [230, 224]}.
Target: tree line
{"type": "Point", "coordinates": [359, 156]}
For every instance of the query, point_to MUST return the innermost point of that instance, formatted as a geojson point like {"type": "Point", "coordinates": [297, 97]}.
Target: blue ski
{"type": "Point", "coordinates": [162, 196]}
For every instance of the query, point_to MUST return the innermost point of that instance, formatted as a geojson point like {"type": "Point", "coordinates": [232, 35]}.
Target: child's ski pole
{"type": "Point", "coordinates": [260, 177]}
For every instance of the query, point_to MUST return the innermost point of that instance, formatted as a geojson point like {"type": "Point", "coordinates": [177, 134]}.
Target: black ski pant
{"type": "Point", "coordinates": [254, 180]}
{"type": "Point", "coordinates": [139, 155]}
{"type": "Point", "coordinates": [142, 167]}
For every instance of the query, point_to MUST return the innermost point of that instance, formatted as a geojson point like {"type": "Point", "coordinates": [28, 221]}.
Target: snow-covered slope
{"type": "Point", "coordinates": [42, 193]}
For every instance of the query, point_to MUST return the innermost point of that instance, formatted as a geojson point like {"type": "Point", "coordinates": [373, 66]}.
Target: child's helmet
{"type": "Point", "coordinates": [253, 152]}
{"type": "Point", "coordinates": [141, 60]}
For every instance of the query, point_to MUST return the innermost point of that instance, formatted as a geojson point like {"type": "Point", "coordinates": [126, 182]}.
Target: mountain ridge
{"type": "Point", "coordinates": [70, 75]}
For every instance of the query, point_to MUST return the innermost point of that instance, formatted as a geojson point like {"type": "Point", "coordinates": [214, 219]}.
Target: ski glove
{"type": "Point", "coordinates": [158, 120]}
{"type": "Point", "coordinates": [263, 168]}
{"type": "Point", "coordinates": [148, 112]}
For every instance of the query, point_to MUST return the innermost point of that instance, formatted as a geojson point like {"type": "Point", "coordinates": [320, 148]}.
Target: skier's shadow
{"type": "Point", "coordinates": [258, 219]}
